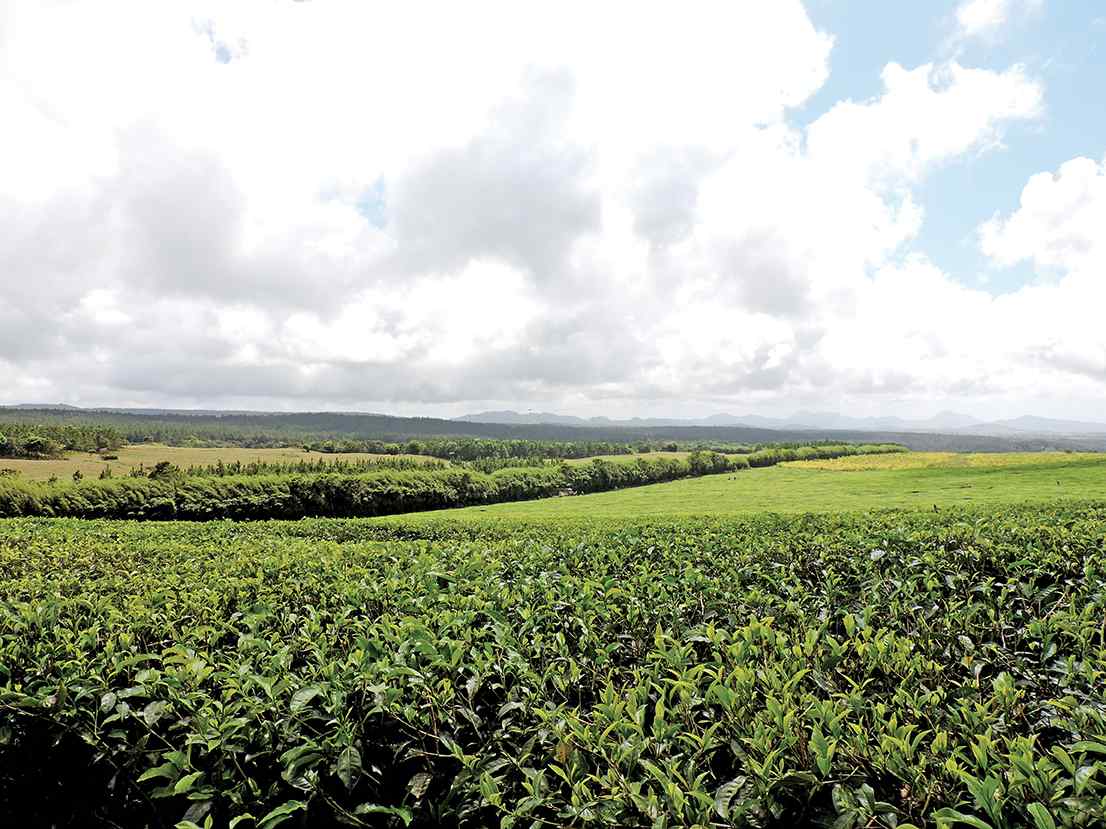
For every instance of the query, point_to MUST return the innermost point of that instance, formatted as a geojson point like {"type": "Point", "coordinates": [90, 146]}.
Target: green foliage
{"type": "Point", "coordinates": [165, 471]}
{"type": "Point", "coordinates": [898, 669]}
{"type": "Point", "coordinates": [21, 439]}
{"type": "Point", "coordinates": [795, 489]}
{"type": "Point", "coordinates": [165, 493]}
{"type": "Point", "coordinates": [486, 451]}
{"type": "Point", "coordinates": [224, 469]}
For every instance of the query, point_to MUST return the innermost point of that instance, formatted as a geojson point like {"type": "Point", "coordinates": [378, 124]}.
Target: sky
{"type": "Point", "coordinates": [627, 208]}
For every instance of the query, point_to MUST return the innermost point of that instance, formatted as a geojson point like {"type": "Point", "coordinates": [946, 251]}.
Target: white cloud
{"type": "Point", "coordinates": [975, 17]}
{"type": "Point", "coordinates": [984, 18]}
{"type": "Point", "coordinates": [336, 204]}
{"type": "Point", "coordinates": [925, 116]}
{"type": "Point", "coordinates": [1059, 222]}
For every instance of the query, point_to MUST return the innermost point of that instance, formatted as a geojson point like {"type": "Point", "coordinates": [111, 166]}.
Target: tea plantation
{"type": "Point", "coordinates": [889, 669]}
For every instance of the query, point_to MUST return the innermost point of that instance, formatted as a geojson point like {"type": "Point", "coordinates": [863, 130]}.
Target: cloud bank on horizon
{"type": "Point", "coordinates": [611, 209]}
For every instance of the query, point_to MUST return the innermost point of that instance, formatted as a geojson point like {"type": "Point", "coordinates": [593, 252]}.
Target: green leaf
{"type": "Point", "coordinates": [843, 800]}
{"type": "Point", "coordinates": [1089, 745]}
{"type": "Point", "coordinates": [1082, 775]}
{"type": "Point", "coordinates": [1064, 758]}
{"type": "Point", "coordinates": [184, 785]}
{"type": "Point", "coordinates": [165, 770]}
{"type": "Point", "coordinates": [154, 712]}
{"type": "Point", "coordinates": [281, 813]}
{"type": "Point", "coordinates": [198, 810]}
{"type": "Point", "coordinates": [404, 815]}
{"type": "Point", "coordinates": [234, 821]}
{"type": "Point", "coordinates": [947, 816]}
{"type": "Point", "coordinates": [489, 789]}
{"type": "Point", "coordinates": [1041, 816]}
{"type": "Point", "coordinates": [303, 696]}
{"type": "Point", "coordinates": [823, 750]}
{"type": "Point", "coordinates": [725, 795]}
{"type": "Point", "coordinates": [348, 767]}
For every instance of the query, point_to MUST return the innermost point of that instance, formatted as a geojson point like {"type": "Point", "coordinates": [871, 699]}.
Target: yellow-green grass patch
{"type": "Point", "coordinates": [950, 460]}
{"type": "Point", "coordinates": [149, 455]}
{"type": "Point", "coordinates": [793, 488]}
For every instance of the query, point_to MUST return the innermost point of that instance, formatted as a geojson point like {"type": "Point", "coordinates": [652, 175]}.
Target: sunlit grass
{"type": "Point", "coordinates": [797, 487]}
{"type": "Point", "coordinates": [950, 460]}
{"type": "Point", "coordinates": [148, 455]}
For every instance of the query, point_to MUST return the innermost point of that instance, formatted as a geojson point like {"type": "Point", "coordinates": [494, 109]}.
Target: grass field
{"type": "Point", "coordinates": [950, 460]}
{"type": "Point", "coordinates": [916, 480]}
{"type": "Point", "coordinates": [149, 454]}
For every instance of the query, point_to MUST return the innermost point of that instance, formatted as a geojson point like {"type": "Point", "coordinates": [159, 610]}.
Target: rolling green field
{"type": "Point", "coordinates": [951, 460]}
{"type": "Point", "coordinates": [915, 480]}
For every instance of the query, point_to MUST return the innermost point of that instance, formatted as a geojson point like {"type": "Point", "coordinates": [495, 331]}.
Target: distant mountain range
{"type": "Point", "coordinates": [65, 407]}
{"type": "Point", "coordinates": [49, 407]}
{"type": "Point", "coordinates": [945, 422]}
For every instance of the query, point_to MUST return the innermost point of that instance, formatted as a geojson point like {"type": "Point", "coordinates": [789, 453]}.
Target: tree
{"type": "Point", "coordinates": [165, 471]}
{"type": "Point", "coordinates": [37, 446]}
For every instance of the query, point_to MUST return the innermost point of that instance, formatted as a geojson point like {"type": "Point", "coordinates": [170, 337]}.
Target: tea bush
{"type": "Point", "coordinates": [896, 669]}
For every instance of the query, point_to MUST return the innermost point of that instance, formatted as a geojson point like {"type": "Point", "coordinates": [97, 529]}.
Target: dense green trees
{"type": "Point", "coordinates": [482, 449]}
{"type": "Point", "coordinates": [45, 440]}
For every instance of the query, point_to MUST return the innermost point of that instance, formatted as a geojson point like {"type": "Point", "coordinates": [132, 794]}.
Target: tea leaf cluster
{"type": "Point", "coordinates": [893, 670]}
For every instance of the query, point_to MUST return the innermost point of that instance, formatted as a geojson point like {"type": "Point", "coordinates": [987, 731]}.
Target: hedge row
{"type": "Point", "coordinates": [380, 492]}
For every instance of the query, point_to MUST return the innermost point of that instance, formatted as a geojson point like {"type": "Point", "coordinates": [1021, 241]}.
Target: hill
{"type": "Point", "coordinates": [276, 429]}
{"type": "Point", "coordinates": [944, 422]}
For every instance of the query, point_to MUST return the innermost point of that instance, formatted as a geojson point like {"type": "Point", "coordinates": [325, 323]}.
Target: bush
{"type": "Point", "coordinates": [38, 446]}
{"type": "Point", "coordinates": [164, 493]}
{"type": "Point", "coordinates": [842, 671]}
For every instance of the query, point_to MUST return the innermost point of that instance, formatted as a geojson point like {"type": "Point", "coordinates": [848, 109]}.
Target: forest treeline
{"type": "Point", "coordinates": [380, 492]}
{"type": "Point", "coordinates": [492, 449]}
{"type": "Point", "coordinates": [20, 439]}
{"type": "Point", "coordinates": [258, 430]}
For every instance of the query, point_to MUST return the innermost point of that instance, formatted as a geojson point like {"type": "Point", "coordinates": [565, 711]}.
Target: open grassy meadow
{"type": "Point", "coordinates": [952, 460]}
{"type": "Point", "coordinates": [148, 455]}
{"type": "Point", "coordinates": [914, 480]}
